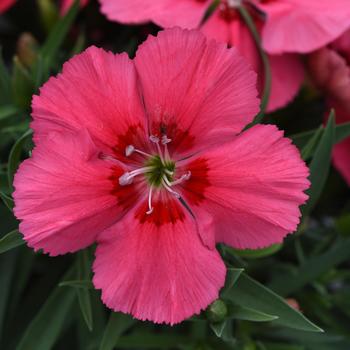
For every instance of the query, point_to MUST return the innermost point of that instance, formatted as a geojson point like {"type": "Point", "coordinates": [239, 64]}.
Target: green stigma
{"type": "Point", "coordinates": [159, 170]}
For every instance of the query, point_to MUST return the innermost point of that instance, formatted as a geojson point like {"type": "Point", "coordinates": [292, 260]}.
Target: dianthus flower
{"type": "Point", "coordinates": [287, 27]}
{"type": "Point", "coordinates": [329, 68]}
{"type": "Point", "coordinates": [148, 159]}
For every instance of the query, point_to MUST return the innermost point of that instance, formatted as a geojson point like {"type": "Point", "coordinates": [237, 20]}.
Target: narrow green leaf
{"type": "Point", "coordinates": [320, 165]}
{"type": "Point", "coordinates": [342, 131]}
{"type": "Point", "coordinates": [48, 52]}
{"type": "Point", "coordinates": [118, 324]}
{"type": "Point", "coordinates": [8, 111]}
{"type": "Point", "coordinates": [251, 294]}
{"type": "Point", "coordinates": [15, 156]}
{"type": "Point", "coordinates": [232, 275]}
{"type": "Point", "coordinates": [85, 284]}
{"type": "Point", "coordinates": [8, 201]}
{"type": "Point", "coordinates": [12, 240]}
{"type": "Point", "coordinates": [311, 269]}
{"type": "Point", "coordinates": [218, 328]}
{"type": "Point", "coordinates": [5, 82]}
{"type": "Point", "coordinates": [258, 253]}
{"type": "Point", "coordinates": [44, 329]}
{"type": "Point", "coordinates": [264, 59]}
{"type": "Point", "coordinates": [309, 149]}
{"type": "Point", "coordinates": [22, 84]}
{"type": "Point", "coordinates": [247, 314]}
{"type": "Point", "coordinates": [84, 293]}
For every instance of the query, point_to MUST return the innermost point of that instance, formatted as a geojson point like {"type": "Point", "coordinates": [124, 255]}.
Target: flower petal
{"type": "Point", "coordinates": [157, 272]}
{"type": "Point", "coordinates": [189, 82]}
{"type": "Point", "coordinates": [165, 13]}
{"type": "Point", "coordinates": [5, 4]}
{"type": "Point", "coordinates": [252, 186]}
{"type": "Point", "coordinates": [287, 73]}
{"type": "Point", "coordinates": [303, 26]}
{"type": "Point", "coordinates": [63, 196]}
{"type": "Point", "coordinates": [96, 89]}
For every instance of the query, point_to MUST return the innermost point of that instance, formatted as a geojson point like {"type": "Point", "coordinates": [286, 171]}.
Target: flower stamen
{"type": "Point", "coordinates": [150, 207]}
{"type": "Point", "coordinates": [128, 177]}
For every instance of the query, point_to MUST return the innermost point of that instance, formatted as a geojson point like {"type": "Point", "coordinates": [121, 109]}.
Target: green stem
{"type": "Point", "coordinates": [265, 61]}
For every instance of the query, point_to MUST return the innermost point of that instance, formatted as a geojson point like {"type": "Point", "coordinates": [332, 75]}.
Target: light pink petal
{"type": "Point", "coordinates": [5, 4]}
{"type": "Point", "coordinates": [165, 13]}
{"type": "Point", "coordinates": [66, 4]}
{"type": "Point", "coordinates": [64, 195]}
{"type": "Point", "coordinates": [96, 89]}
{"type": "Point", "coordinates": [287, 73]}
{"type": "Point", "coordinates": [303, 26]}
{"type": "Point", "coordinates": [252, 186]}
{"type": "Point", "coordinates": [157, 271]}
{"type": "Point", "coordinates": [201, 88]}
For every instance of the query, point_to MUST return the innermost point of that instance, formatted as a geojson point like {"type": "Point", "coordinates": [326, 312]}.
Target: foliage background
{"type": "Point", "coordinates": [48, 303]}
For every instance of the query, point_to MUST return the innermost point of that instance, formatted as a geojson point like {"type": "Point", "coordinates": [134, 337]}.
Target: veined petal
{"type": "Point", "coordinates": [96, 89]}
{"type": "Point", "coordinates": [252, 187]}
{"type": "Point", "coordinates": [303, 26]}
{"type": "Point", "coordinates": [165, 13]}
{"type": "Point", "coordinates": [64, 197]}
{"type": "Point", "coordinates": [188, 83]}
{"type": "Point", "coordinates": [157, 270]}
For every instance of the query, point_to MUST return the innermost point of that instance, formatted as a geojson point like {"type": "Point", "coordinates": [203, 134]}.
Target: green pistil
{"type": "Point", "coordinates": [155, 176]}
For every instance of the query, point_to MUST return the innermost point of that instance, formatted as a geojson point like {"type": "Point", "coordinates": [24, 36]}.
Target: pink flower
{"type": "Point", "coordinates": [148, 158]}
{"type": "Point", "coordinates": [6, 4]}
{"type": "Point", "coordinates": [287, 27]}
{"type": "Point", "coordinates": [329, 68]}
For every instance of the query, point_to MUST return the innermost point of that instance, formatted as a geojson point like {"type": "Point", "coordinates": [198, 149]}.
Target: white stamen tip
{"type": "Point", "coordinates": [165, 140]}
{"type": "Point", "coordinates": [125, 179]}
{"type": "Point", "coordinates": [154, 139]}
{"type": "Point", "coordinates": [149, 212]}
{"type": "Point", "coordinates": [129, 150]}
{"type": "Point", "coordinates": [187, 176]}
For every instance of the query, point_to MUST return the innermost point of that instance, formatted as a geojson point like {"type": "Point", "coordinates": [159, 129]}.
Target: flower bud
{"type": "Point", "coordinates": [217, 311]}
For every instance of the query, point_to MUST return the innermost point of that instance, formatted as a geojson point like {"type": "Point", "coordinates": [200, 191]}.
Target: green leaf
{"type": "Point", "coordinates": [342, 131]}
{"type": "Point", "coordinates": [49, 50]}
{"type": "Point", "coordinates": [12, 240]}
{"type": "Point", "coordinates": [118, 324]}
{"type": "Point", "coordinates": [44, 329]}
{"type": "Point", "coordinates": [22, 84]}
{"type": "Point", "coordinates": [83, 293]}
{"type": "Point", "coordinates": [247, 314]}
{"type": "Point", "coordinates": [8, 201]}
{"type": "Point", "coordinates": [232, 275]}
{"type": "Point", "coordinates": [15, 156]}
{"type": "Point", "coordinates": [312, 268]}
{"type": "Point", "coordinates": [309, 149]}
{"type": "Point", "coordinates": [251, 294]}
{"type": "Point", "coordinates": [258, 253]}
{"type": "Point", "coordinates": [218, 328]}
{"type": "Point", "coordinates": [224, 331]}
{"type": "Point", "coordinates": [85, 284]}
{"type": "Point", "coordinates": [8, 111]}
{"type": "Point", "coordinates": [5, 82]}
{"type": "Point", "coordinates": [264, 59]}
{"type": "Point", "coordinates": [320, 165]}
